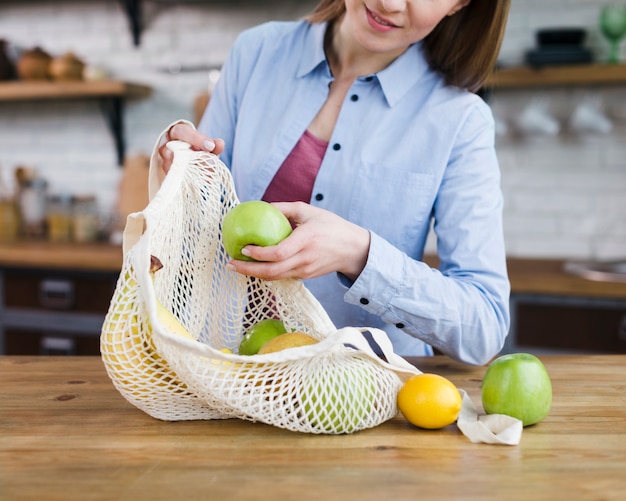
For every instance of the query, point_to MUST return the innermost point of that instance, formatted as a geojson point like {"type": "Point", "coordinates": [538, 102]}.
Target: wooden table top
{"type": "Point", "coordinates": [66, 433]}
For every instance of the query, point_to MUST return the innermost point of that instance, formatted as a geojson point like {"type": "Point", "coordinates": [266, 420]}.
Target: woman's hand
{"type": "Point", "coordinates": [321, 243]}
{"type": "Point", "coordinates": [197, 140]}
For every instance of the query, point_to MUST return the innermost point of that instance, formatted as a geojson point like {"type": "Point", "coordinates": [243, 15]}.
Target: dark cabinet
{"type": "Point", "coordinates": [53, 311]}
{"type": "Point", "coordinates": [569, 324]}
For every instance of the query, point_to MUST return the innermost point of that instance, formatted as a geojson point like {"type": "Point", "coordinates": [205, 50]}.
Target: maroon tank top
{"type": "Point", "coordinates": [295, 178]}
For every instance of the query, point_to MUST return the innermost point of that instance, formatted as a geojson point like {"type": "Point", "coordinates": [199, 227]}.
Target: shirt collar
{"type": "Point", "coordinates": [401, 75]}
{"type": "Point", "coordinates": [395, 80]}
{"type": "Point", "coordinates": [313, 49]}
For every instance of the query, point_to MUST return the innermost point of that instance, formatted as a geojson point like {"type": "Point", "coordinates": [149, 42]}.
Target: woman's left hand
{"type": "Point", "coordinates": [321, 243]}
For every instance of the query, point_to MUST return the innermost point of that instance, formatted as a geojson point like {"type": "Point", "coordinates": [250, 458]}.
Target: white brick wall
{"type": "Point", "coordinates": [68, 141]}
{"type": "Point", "coordinates": [564, 195]}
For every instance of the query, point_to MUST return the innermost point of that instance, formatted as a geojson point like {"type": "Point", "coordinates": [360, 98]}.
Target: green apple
{"type": "Point", "coordinates": [254, 222]}
{"type": "Point", "coordinates": [259, 334]}
{"type": "Point", "coordinates": [517, 385]}
{"type": "Point", "coordinates": [340, 399]}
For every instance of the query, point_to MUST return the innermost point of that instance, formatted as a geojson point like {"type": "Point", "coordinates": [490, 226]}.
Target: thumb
{"type": "Point", "coordinates": [296, 212]}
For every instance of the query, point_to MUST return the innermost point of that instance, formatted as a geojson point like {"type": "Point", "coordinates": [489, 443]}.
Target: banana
{"type": "Point", "coordinates": [170, 322]}
{"type": "Point", "coordinates": [139, 373]}
{"type": "Point", "coordinates": [126, 343]}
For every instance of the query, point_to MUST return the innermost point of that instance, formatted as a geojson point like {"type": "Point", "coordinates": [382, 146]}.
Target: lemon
{"type": "Point", "coordinates": [287, 340]}
{"type": "Point", "coordinates": [429, 401]}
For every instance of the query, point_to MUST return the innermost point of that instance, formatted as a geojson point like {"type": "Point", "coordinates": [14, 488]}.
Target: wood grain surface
{"type": "Point", "coordinates": [558, 75]}
{"type": "Point", "coordinates": [67, 434]}
{"type": "Point", "coordinates": [42, 254]}
{"type": "Point", "coordinates": [40, 90]}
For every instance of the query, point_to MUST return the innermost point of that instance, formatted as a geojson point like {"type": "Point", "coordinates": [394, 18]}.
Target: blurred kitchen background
{"type": "Point", "coordinates": [81, 155]}
{"type": "Point", "coordinates": [564, 188]}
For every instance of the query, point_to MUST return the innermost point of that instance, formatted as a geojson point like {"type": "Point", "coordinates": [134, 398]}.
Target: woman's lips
{"type": "Point", "coordinates": [379, 23]}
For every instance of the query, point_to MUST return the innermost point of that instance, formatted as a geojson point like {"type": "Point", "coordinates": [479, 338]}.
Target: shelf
{"type": "Point", "coordinates": [40, 90]}
{"type": "Point", "coordinates": [110, 93]}
{"type": "Point", "coordinates": [552, 76]}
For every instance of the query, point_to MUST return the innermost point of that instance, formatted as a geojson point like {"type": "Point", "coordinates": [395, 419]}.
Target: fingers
{"type": "Point", "coordinates": [274, 253]}
{"type": "Point", "coordinates": [219, 146]}
{"type": "Point", "coordinates": [167, 157]}
{"type": "Point", "coordinates": [270, 270]}
{"type": "Point", "coordinates": [197, 140]}
{"type": "Point", "coordinates": [297, 212]}
{"type": "Point", "coordinates": [321, 243]}
{"type": "Point", "coordinates": [274, 262]}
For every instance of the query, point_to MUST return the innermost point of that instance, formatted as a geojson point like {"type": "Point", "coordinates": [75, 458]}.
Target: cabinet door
{"type": "Point", "coordinates": [58, 290]}
{"type": "Point", "coordinates": [38, 342]}
{"type": "Point", "coordinates": [53, 312]}
{"type": "Point", "coordinates": [571, 325]}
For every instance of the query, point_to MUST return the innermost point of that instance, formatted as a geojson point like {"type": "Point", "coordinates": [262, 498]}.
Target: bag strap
{"type": "Point", "coordinates": [135, 226]}
{"type": "Point", "coordinates": [375, 344]}
{"type": "Point", "coordinates": [155, 172]}
{"type": "Point", "coordinates": [496, 429]}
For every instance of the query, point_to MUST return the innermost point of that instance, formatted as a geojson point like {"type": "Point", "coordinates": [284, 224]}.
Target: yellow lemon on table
{"type": "Point", "coordinates": [429, 401]}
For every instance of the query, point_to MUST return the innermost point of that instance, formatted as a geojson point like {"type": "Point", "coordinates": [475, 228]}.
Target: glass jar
{"type": "Point", "coordinates": [59, 218]}
{"type": "Point", "coordinates": [9, 220]}
{"type": "Point", "coordinates": [32, 205]}
{"type": "Point", "coordinates": [85, 220]}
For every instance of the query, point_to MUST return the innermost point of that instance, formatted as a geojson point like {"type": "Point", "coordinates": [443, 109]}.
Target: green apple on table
{"type": "Point", "coordinates": [517, 385]}
{"type": "Point", "coordinates": [254, 222]}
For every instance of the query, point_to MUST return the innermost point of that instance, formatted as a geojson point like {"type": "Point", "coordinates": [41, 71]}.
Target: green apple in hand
{"type": "Point", "coordinates": [259, 334]}
{"type": "Point", "coordinates": [254, 222]}
{"type": "Point", "coordinates": [517, 385]}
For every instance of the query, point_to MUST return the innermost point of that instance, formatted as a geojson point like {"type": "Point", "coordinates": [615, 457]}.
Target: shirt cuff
{"type": "Point", "coordinates": [378, 283]}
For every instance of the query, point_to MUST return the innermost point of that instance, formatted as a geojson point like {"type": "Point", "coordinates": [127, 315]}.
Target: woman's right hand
{"type": "Point", "coordinates": [197, 140]}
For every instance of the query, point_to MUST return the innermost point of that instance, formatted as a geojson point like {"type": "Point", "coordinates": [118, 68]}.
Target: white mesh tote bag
{"type": "Point", "coordinates": [337, 385]}
{"type": "Point", "coordinates": [170, 338]}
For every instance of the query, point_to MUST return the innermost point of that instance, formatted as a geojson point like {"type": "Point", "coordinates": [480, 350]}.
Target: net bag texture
{"type": "Point", "coordinates": [346, 382]}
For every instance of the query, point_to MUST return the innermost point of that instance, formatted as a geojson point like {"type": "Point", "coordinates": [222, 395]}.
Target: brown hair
{"type": "Point", "coordinates": [463, 47]}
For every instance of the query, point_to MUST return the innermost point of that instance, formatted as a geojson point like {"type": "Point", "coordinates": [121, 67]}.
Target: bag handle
{"type": "Point", "coordinates": [135, 226]}
{"type": "Point", "coordinates": [155, 172]}
{"type": "Point", "coordinates": [136, 221]}
{"type": "Point", "coordinates": [376, 345]}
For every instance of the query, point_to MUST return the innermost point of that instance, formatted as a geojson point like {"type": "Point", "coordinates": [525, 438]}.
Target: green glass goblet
{"type": "Point", "coordinates": [613, 27]}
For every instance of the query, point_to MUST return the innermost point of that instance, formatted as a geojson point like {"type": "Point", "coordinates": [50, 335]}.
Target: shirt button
{"type": "Point", "coordinates": [319, 197]}
{"type": "Point", "coordinates": [336, 146]}
{"type": "Point", "coordinates": [354, 97]}
{"type": "Point", "coordinates": [400, 325]}
{"type": "Point", "coordinates": [364, 300]}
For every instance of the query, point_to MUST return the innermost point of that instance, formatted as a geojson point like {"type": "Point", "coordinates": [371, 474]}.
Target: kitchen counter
{"type": "Point", "coordinates": [528, 276]}
{"type": "Point", "coordinates": [68, 434]}
{"type": "Point", "coordinates": [88, 257]}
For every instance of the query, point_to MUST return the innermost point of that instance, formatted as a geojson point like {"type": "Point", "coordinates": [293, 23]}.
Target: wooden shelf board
{"type": "Point", "coordinates": [581, 74]}
{"type": "Point", "coordinates": [39, 90]}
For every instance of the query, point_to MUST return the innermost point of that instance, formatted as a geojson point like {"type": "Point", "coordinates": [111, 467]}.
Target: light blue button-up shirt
{"type": "Point", "coordinates": [407, 151]}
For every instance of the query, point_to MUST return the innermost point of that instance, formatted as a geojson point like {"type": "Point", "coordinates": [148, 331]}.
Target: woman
{"type": "Point", "coordinates": [360, 122]}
